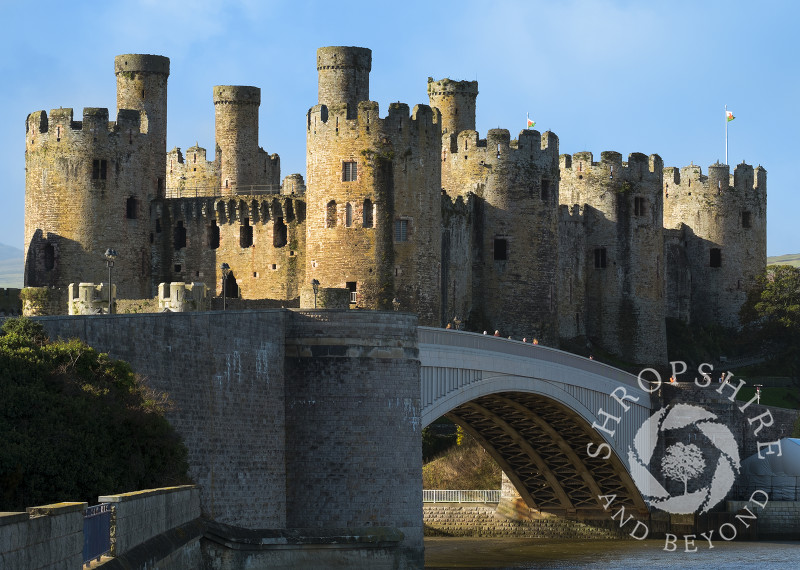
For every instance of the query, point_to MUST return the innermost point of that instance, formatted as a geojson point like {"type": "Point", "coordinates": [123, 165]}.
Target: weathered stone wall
{"type": "Point", "coordinates": [367, 178]}
{"type": "Point", "coordinates": [722, 223]}
{"type": "Point", "coordinates": [49, 536]}
{"type": "Point", "coordinates": [573, 267]}
{"type": "Point", "coordinates": [345, 369]}
{"type": "Point", "coordinates": [192, 175]}
{"type": "Point", "coordinates": [138, 516]}
{"type": "Point", "coordinates": [225, 373]}
{"type": "Point", "coordinates": [623, 212]}
{"type": "Point", "coordinates": [779, 520]}
{"type": "Point", "coordinates": [461, 519]}
{"type": "Point", "coordinates": [262, 239]}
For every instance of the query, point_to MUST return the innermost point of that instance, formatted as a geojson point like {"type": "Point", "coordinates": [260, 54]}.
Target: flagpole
{"type": "Point", "coordinates": [726, 134]}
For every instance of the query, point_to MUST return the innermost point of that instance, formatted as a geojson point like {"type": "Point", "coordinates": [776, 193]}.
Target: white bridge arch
{"type": "Point", "coordinates": [532, 408]}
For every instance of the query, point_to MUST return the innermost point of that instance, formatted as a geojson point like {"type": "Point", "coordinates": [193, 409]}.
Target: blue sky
{"type": "Point", "coordinates": [628, 76]}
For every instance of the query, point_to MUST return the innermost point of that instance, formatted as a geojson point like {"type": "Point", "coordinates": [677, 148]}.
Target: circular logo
{"type": "Point", "coordinates": [684, 462]}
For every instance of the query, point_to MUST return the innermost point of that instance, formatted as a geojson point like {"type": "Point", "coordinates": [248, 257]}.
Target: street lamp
{"type": "Point", "coordinates": [758, 393]}
{"type": "Point", "coordinates": [396, 304]}
{"type": "Point", "coordinates": [457, 323]}
{"type": "Point", "coordinates": [226, 270]}
{"type": "Point", "coordinates": [111, 255]}
{"type": "Point", "coordinates": [315, 285]}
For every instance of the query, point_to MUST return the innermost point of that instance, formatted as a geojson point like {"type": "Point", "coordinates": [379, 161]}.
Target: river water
{"type": "Point", "coordinates": [545, 553]}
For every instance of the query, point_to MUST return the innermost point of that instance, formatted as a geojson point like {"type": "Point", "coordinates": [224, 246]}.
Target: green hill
{"type": "Point", "coordinates": [12, 265]}
{"type": "Point", "coordinates": [789, 259]}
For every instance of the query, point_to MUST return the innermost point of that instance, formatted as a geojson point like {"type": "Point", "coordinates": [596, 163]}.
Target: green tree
{"type": "Point", "coordinates": [76, 424]}
{"type": "Point", "coordinates": [772, 310]}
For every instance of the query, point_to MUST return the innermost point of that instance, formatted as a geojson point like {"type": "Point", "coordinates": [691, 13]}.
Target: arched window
{"type": "Point", "coordinates": [330, 219]}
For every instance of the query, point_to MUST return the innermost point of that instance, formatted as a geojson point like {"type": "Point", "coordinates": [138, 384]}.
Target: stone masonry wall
{"type": "Point", "coordinates": [49, 536]}
{"type": "Point", "coordinates": [779, 520]}
{"type": "Point", "coordinates": [459, 519]}
{"type": "Point", "coordinates": [225, 374]}
{"type": "Point", "coordinates": [138, 516]}
{"type": "Point", "coordinates": [353, 422]}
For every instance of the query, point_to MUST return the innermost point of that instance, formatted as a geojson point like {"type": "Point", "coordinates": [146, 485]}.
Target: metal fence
{"type": "Point", "coordinates": [458, 496]}
{"type": "Point", "coordinates": [96, 532]}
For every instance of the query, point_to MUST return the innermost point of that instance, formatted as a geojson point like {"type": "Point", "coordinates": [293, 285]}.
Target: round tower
{"type": "Point", "coordinates": [722, 222]}
{"type": "Point", "coordinates": [343, 75]}
{"type": "Point", "coordinates": [623, 266]}
{"type": "Point", "coordinates": [236, 131]}
{"type": "Point", "coordinates": [142, 86]}
{"type": "Point", "coordinates": [456, 101]}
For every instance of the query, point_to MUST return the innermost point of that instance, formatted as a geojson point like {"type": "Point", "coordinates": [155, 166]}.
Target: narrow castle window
{"type": "Point", "coordinates": [99, 169]}
{"type": "Point", "coordinates": [352, 286]}
{"type": "Point", "coordinates": [158, 225]}
{"type": "Point", "coordinates": [639, 206]}
{"type": "Point", "coordinates": [366, 215]}
{"type": "Point", "coordinates": [159, 186]}
{"type": "Point", "coordinates": [500, 249]}
{"type": "Point", "coordinates": [545, 189]}
{"type": "Point", "coordinates": [49, 257]}
{"type": "Point", "coordinates": [600, 258]}
{"type": "Point", "coordinates": [401, 230]}
{"type": "Point", "coordinates": [349, 172]}
{"type": "Point", "coordinates": [279, 233]}
{"type": "Point", "coordinates": [330, 214]}
{"type": "Point", "coordinates": [132, 208]}
{"type": "Point", "coordinates": [348, 215]}
{"type": "Point", "coordinates": [213, 235]}
{"type": "Point", "coordinates": [715, 257]}
{"type": "Point", "coordinates": [245, 233]}
{"type": "Point", "coordinates": [746, 220]}
{"type": "Point", "coordinates": [179, 236]}
{"type": "Point", "coordinates": [58, 134]}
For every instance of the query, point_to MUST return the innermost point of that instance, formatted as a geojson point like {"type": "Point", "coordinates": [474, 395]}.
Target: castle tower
{"type": "Point", "coordinates": [456, 101]}
{"type": "Point", "coordinates": [343, 76]}
{"type": "Point", "coordinates": [512, 189]}
{"type": "Point", "coordinates": [236, 130]}
{"type": "Point", "coordinates": [373, 192]}
{"type": "Point", "coordinates": [142, 86]}
{"type": "Point", "coordinates": [721, 221]}
{"type": "Point", "coordinates": [623, 265]}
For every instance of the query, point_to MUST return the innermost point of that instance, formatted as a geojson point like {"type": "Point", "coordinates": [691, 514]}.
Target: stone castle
{"type": "Point", "coordinates": [412, 208]}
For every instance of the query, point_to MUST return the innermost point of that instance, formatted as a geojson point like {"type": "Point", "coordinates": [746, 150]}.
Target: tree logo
{"type": "Point", "coordinates": [663, 434]}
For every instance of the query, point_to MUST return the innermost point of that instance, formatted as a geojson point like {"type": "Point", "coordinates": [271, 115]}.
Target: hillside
{"type": "Point", "coordinates": [12, 265]}
{"type": "Point", "coordinates": [789, 259]}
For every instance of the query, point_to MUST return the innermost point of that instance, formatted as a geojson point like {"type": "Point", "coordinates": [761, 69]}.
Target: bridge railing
{"type": "Point", "coordinates": [460, 496]}
{"type": "Point", "coordinates": [461, 339]}
{"type": "Point", "coordinates": [96, 532]}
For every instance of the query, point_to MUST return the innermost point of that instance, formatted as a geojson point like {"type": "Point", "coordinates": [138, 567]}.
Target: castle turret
{"type": "Point", "coordinates": [343, 76]}
{"type": "Point", "coordinates": [456, 101]}
{"type": "Point", "coordinates": [622, 263]}
{"type": "Point", "coordinates": [236, 128]}
{"type": "Point", "coordinates": [142, 86]}
{"type": "Point", "coordinates": [373, 192]}
{"type": "Point", "coordinates": [721, 221]}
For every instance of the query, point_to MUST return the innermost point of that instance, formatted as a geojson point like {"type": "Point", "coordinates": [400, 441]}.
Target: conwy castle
{"type": "Point", "coordinates": [413, 210]}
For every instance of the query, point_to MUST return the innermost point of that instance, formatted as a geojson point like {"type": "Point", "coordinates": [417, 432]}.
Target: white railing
{"type": "Point", "coordinates": [459, 496]}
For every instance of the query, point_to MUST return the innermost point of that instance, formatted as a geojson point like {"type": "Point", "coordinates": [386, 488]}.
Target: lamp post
{"type": "Point", "coordinates": [758, 393]}
{"type": "Point", "coordinates": [226, 270]}
{"type": "Point", "coordinates": [396, 304]}
{"type": "Point", "coordinates": [111, 255]}
{"type": "Point", "coordinates": [315, 286]}
{"type": "Point", "coordinates": [457, 323]}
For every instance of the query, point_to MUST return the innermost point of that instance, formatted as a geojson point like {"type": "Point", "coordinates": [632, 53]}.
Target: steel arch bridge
{"type": "Point", "coordinates": [532, 408]}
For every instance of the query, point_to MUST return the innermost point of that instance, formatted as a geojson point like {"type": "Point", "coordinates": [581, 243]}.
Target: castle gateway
{"type": "Point", "coordinates": [412, 208]}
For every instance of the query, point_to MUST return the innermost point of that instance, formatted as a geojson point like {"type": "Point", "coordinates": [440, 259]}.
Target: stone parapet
{"type": "Point", "coordinates": [47, 536]}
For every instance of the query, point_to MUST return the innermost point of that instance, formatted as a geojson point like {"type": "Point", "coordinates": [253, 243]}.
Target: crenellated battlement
{"type": "Point", "coordinates": [639, 167]}
{"type": "Point", "coordinates": [324, 120]}
{"type": "Point", "coordinates": [241, 94]}
{"type": "Point", "coordinates": [141, 63]}
{"type": "Point", "coordinates": [719, 180]}
{"type": "Point", "coordinates": [61, 123]}
{"type": "Point", "coordinates": [498, 146]}
{"type": "Point", "coordinates": [257, 209]}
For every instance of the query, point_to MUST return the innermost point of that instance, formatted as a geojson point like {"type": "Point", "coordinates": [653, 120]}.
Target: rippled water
{"type": "Point", "coordinates": [542, 553]}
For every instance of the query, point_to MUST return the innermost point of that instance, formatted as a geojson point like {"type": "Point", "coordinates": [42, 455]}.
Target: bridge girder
{"type": "Point", "coordinates": [541, 445]}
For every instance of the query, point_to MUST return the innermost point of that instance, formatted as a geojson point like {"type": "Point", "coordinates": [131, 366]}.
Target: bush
{"type": "Point", "coordinates": [76, 424]}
